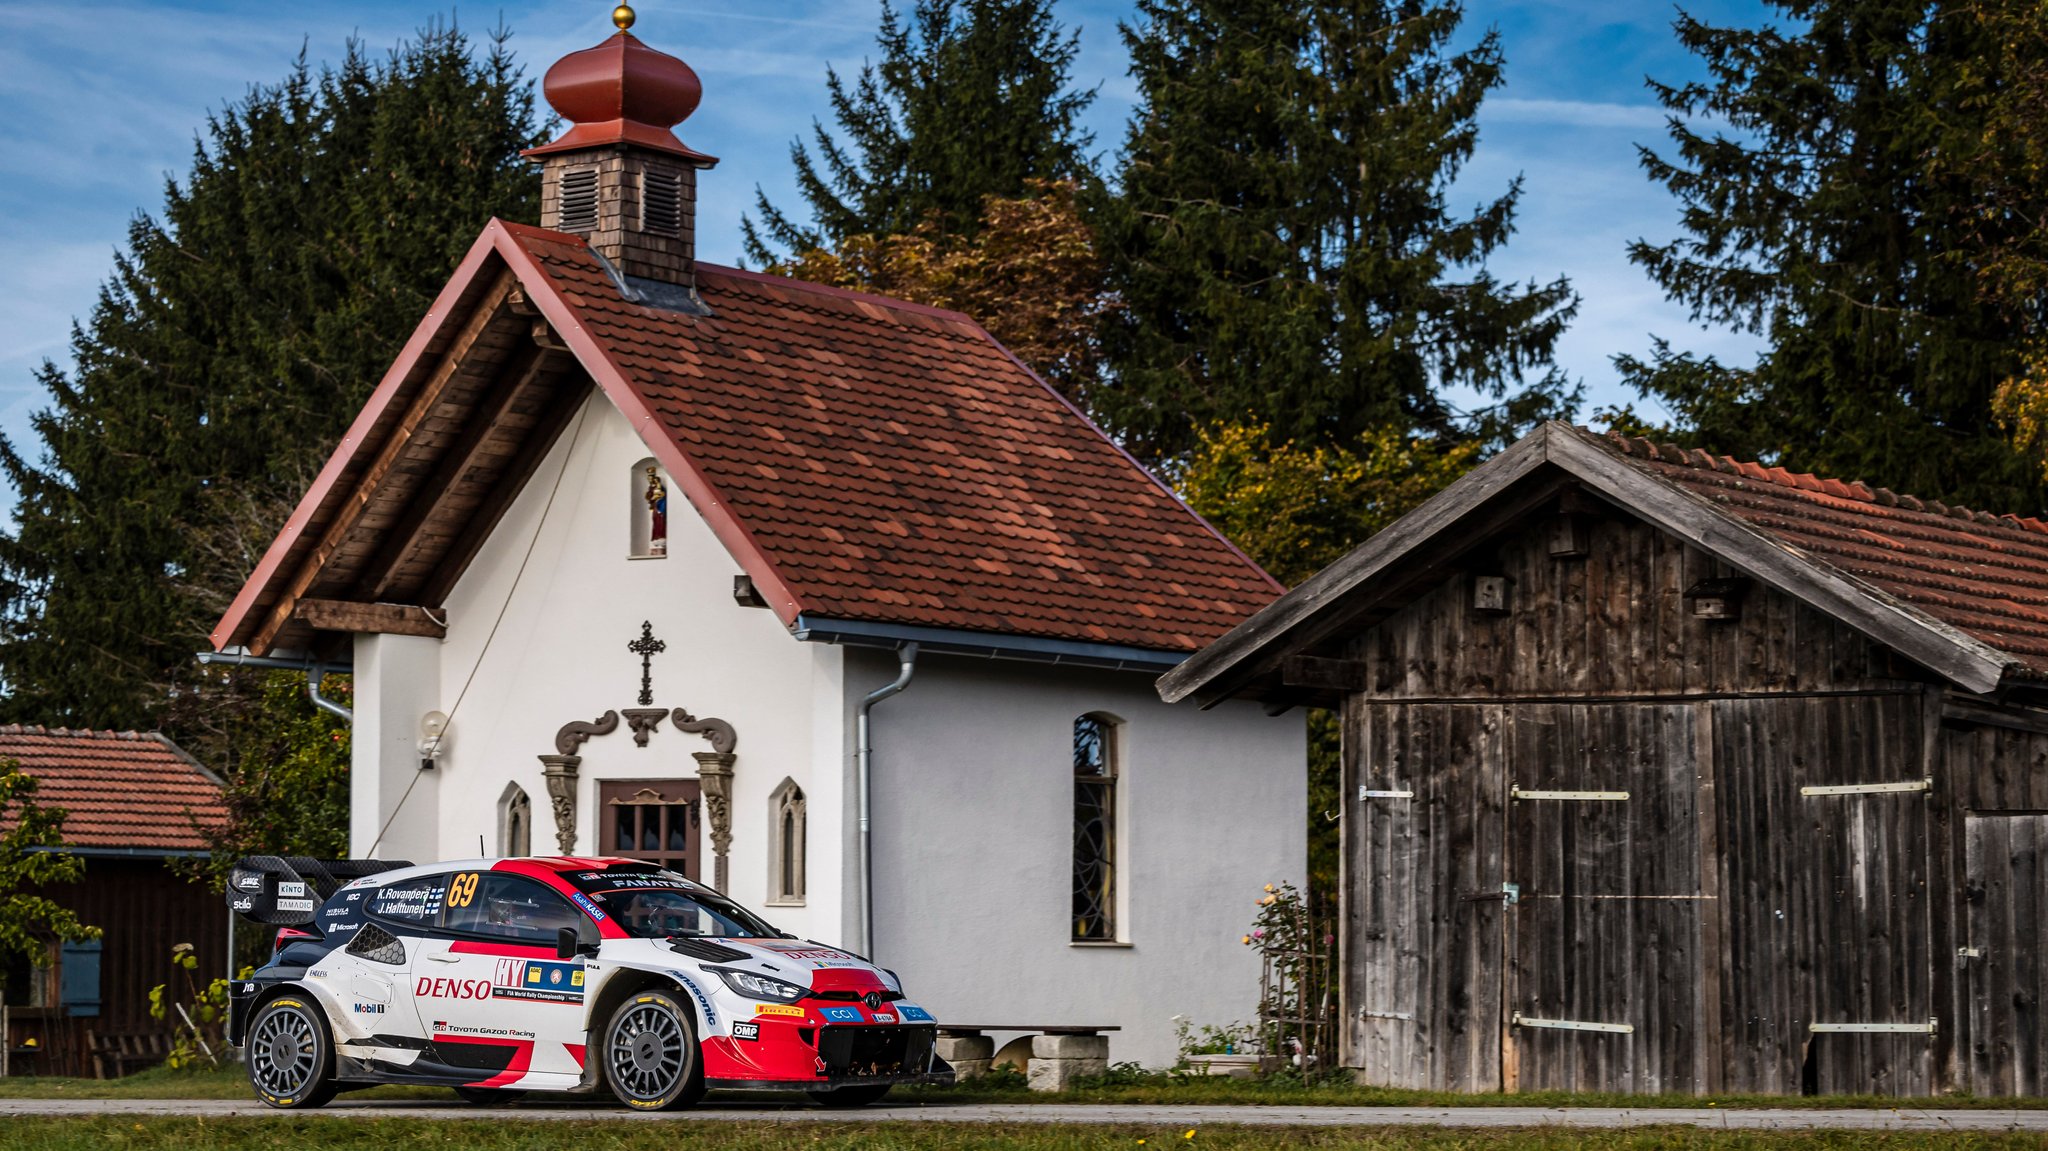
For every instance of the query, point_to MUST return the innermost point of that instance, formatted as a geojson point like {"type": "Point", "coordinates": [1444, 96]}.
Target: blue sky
{"type": "Point", "coordinates": [99, 103]}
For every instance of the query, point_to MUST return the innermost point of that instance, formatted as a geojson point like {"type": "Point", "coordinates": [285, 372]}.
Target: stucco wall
{"type": "Point", "coordinates": [973, 794]}
{"type": "Point", "coordinates": [559, 653]}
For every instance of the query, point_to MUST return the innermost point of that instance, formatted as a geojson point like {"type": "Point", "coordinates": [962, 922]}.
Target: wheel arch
{"type": "Point", "coordinates": [630, 981]}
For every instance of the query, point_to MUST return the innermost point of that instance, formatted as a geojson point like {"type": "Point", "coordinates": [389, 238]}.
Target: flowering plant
{"type": "Point", "coordinates": [1294, 985]}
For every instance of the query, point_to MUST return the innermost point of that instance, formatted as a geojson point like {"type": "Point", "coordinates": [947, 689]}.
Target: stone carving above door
{"type": "Point", "coordinates": [714, 767]}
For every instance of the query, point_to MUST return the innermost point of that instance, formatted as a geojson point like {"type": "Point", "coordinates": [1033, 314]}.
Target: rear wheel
{"type": "Point", "coordinates": [488, 1096]}
{"type": "Point", "coordinates": [849, 1096]}
{"type": "Point", "coordinates": [290, 1054]}
{"type": "Point", "coordinates": [651, 1059]}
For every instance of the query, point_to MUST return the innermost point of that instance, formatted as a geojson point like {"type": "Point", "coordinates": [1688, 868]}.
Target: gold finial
{"type": "Point", "coordinates": [622, 16]}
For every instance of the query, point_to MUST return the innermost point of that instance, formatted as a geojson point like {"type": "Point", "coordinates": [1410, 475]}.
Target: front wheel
{"type": "Point", "coordinates": [290, 1055]}
{"type": "Point", "coordinates": [849, 1096]}
{"type": "Point", "coordinates": [651, 1060]}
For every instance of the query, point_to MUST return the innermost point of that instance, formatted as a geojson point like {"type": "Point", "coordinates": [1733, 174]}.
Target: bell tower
{"type": "Point", "coordinates": [619, 177]}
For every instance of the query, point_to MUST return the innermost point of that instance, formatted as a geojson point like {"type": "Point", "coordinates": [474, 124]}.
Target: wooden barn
{"type": "Point", "coordinates": [134, 803]}
{"type": "Point", "coordinates": [1669, 773]}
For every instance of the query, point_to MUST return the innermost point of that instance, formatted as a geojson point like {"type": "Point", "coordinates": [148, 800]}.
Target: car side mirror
{"type": "Point", "coordinates": [567, 943]}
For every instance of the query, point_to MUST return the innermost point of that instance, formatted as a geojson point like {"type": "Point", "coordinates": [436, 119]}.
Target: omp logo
{"type": "Point", "coordinates": [747, 1031]}
{"type": "Point", "coordinates": [368, 1009]}
{"type": "Point", "coordinates": [453, 988]}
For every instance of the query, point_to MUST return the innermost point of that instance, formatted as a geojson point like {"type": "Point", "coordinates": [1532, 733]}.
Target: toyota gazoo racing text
{"type": "Point", "coordinates": [499, 977]}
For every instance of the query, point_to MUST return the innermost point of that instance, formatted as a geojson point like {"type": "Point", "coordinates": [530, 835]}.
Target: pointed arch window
{"type": "Point", "coordinates": [1095, 777]}
{"type": "Point", "coordinates": [515, 821]}
{"type": "Point", "coordinates": [786, 839]}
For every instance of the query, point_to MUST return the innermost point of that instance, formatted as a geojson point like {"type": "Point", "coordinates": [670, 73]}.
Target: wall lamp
{"type": "Point", "coordinates": [433, 729]}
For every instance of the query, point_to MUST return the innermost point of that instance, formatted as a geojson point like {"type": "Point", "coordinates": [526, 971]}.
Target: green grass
{"type": "Point", "coordinates": [334, 1134]}
{"type": "Point", "coordinates": [1134, 1089]}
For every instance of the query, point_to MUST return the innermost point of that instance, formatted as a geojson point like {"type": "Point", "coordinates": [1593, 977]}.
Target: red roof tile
{"type": "Point", "coordinates": [1983, 574]}
{"type": "Point", "coordinates": [894, 464]}
{"type": "Point", "coordinates": [119, 789]}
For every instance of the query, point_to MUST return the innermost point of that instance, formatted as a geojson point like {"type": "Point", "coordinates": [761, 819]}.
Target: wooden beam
{"type": "Point", "coordinates": [375, 618]}
{"type": "Point", "coordinates": [1325, 674]}
{"type": "Point", "coordinates": [1957, 709]}
{"type": "Point", "coordinates": [406, 539]}
{"type": "Point", "coordinates": [494, 305]}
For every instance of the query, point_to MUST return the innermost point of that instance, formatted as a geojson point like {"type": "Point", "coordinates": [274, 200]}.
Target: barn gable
{"type": "Point", "coordinates": [1951, 590]}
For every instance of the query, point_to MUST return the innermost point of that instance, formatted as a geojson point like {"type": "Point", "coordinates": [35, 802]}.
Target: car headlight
{"type": "Point", "coordinates": [761, 986]}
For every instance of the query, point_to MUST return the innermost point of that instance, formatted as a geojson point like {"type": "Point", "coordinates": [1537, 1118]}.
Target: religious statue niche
{"type": "Point", "coordinates": [649, 536]}
{"type": "Point", "coordinates": [657, 514]}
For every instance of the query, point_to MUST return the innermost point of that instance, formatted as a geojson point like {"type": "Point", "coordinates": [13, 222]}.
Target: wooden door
{"type": "Point", "coordinates": [652, 819]}
{"type": "Point", "coordinates": [1422, 914]}
{"type": "Point", "coordinates": [1826, 827]}
{"type": "Point", "coordinates": [2005, 969]}
{"type": "Point", "coordinates": [1604, 982]}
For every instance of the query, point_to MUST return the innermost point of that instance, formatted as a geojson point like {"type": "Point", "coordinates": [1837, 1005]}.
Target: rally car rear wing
{"type": "Point", "coordinates": [285, 891]}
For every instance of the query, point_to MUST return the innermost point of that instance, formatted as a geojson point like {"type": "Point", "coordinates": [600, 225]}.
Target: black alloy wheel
{"type": "Point", "coordinates": [849, 1096]}
{"type": "Point", "coordinates": [651, 1059]}
{"type": "Point", "coordinates": [489, 1096]}
{"type": "Point", "coordinates": [290, 1054]}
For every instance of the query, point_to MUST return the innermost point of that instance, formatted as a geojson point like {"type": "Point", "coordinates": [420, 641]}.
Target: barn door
{"type": "Point", "coordinates": [1423, 915]}
{"type": "Point", "coordinates": [2006, 972]}
{"type": "Point", "coordinates": [1603, 986]}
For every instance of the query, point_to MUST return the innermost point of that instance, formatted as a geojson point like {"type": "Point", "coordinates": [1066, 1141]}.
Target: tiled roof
{"type": "Point", "coordinates": [1983, 574]}
{"type": "Point", "coordinates": [892, 463]}
{"type": "Point", "coordinates": [119, 789]}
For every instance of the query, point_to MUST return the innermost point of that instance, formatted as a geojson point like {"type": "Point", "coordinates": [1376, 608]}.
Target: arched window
{"type": "Point", "coordinates": [515, 822]}
{"type": "Point", "coordinates": [1095, 771]}
{"type": "Point", "coordinates": [786, 845]}
{"type": "Point", "coordinates": [648, 499]}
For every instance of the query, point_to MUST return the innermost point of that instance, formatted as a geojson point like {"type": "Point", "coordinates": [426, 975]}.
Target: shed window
{"type": "Point", "coordinates": [786, 845]}
{"type": "Point", "coordinates": [1095, 773]}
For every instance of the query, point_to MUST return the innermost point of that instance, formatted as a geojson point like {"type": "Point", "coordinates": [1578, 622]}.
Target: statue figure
{"type": "Point", "coordinates": [657, 507]}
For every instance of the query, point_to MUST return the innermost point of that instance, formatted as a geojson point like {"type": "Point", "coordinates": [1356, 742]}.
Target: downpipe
{"type": "Point", "coordinates": [314, 675]}
{"type": "Point", "coordinates": [863, 759]}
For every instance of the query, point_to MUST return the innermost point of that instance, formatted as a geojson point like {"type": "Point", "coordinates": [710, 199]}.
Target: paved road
{"type": "Point", "coordinates": [1888, 1119]}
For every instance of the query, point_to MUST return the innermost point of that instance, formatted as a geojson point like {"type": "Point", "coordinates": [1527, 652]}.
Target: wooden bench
{"type": "Point", "coordinates": [114, 1056]}
{"type": "Point", "coordinates": [1060, 1052]}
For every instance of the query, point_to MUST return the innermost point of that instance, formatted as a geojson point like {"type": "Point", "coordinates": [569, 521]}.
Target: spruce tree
{"type": "Point", "coordinates": [1822, 207]}
{"type": "Point", "coordinates": [1280, 243]}
{"type": "Point", "coordinates": [969, 100]}
{"type": "Point", "coordinates": [236, 337]}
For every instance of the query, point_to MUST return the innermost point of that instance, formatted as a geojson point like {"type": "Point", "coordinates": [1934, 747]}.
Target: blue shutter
{"type": "Point", "coordinates": [78, 978]}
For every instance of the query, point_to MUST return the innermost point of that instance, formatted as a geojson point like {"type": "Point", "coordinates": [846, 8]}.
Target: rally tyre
{"type": "Point", "coordinates": [651, 1058]}
{"type": "Point", "coordinates": [290, 1054]}
{"type": "Point", "coordinates": [488, 1096]}
{"type": "Point", "coordinates": [849, 1096]}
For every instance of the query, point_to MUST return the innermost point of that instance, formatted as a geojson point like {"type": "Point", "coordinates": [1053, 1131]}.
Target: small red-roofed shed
{"type": "Point", "coordinates": [1668, 772]}
{"type": "Point", "coordinates": [134, 803]}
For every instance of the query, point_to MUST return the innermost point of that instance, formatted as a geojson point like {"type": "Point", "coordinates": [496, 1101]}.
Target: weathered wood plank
{"type": "Point", "coordinates": [370, 618]}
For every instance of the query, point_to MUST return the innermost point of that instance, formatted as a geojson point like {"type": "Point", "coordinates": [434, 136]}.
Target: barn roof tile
{"type": "Point", "coordinates": [120, 790]}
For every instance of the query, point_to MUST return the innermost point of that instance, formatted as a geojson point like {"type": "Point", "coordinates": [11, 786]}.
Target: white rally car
{"type": "Point", "coordinates": [499, 977]}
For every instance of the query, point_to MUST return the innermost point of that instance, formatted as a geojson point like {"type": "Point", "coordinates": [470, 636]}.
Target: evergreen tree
{"type": "Point", "coordinates": [1280, 243]}
{"type": "Point", "coordinates": [1823, 208]}
{"type": "Point", "coordinates": [235, 339]}
{"type": "Point", "coordinates": [970, 100]}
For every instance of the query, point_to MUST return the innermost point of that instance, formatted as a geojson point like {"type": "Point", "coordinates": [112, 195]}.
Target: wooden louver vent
{"type": "Point", "coordinates": [661, 203]}
{"type": "Point", "coordinates": [578, 211]}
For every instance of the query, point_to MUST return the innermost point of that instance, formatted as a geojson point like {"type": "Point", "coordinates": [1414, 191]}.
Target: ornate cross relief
{"type": "Point", "coordinates": [714, 767]}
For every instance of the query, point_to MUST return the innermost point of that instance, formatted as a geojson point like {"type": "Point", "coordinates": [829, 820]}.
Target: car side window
{"type": "Point", "coordinates": [506, 907]}
{"type": "Point", "coordinates": [414, 901]}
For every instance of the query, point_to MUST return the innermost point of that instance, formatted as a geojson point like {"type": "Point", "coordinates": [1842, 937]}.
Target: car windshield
{"type": "Point", "coordinates": [657, 905]}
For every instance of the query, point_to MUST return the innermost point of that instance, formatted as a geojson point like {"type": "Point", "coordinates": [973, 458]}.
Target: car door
{"type": "Point", "coordinates": [490, 993]}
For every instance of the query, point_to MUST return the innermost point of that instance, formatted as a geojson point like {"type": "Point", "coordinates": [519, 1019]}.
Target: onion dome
{"type": "Point", "coordinates": [623, 92]}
